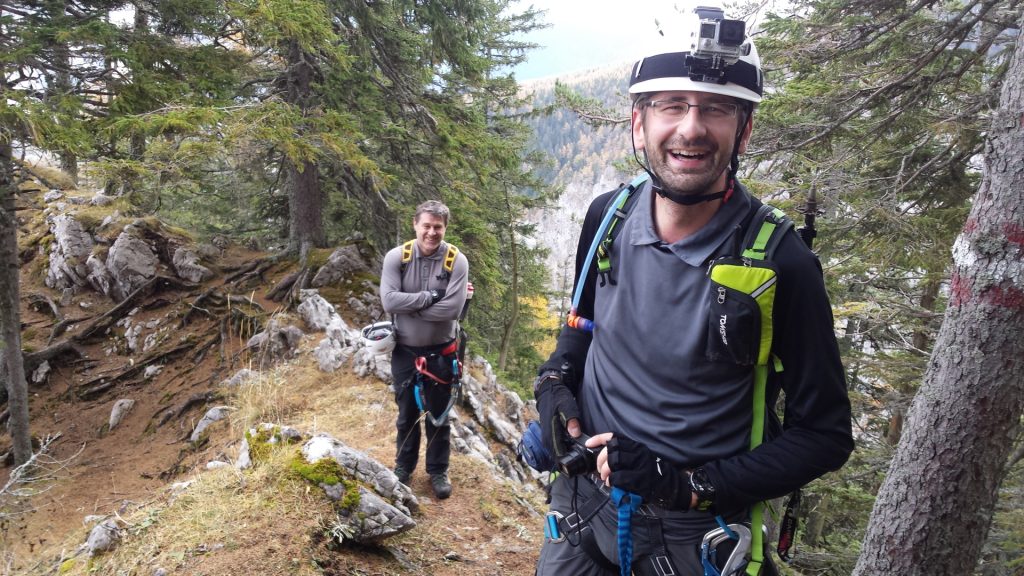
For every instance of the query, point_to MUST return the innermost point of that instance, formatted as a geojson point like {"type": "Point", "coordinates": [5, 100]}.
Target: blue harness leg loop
{"type": "Point", "coordinates": [627, 503]}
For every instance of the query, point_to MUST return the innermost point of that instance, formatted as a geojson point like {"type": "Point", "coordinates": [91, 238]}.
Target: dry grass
{"type": "Point", "coordinates": [266, 521]}
{"type": "Point", "coordinates": [216, 522]}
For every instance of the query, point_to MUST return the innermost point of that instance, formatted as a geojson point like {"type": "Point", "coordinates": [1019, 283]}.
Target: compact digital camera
{"type": "Point", "coordinates": [718, 42]}
{"type": "Point", "coordinates": [578, 459]}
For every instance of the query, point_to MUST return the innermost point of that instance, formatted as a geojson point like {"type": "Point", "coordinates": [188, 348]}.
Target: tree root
{"type": "Point", "coordinates": [110, 317]}
{"type": "Point", "coordinates": [252, 271]}
{"type": "Point", "coordinates": [289, 288]}
{"type": "Point", "coordinates": [100, 384]}
{"type": "Point", "coordinates": [32, 360]}
{"type": "Point", "coordinates": [37, 300]}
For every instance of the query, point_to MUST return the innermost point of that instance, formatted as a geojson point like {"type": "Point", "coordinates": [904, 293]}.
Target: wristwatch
{"type": "Point", "coordinates": [701, 485]}
{"type": "Point", "coordinates": [554, 374]}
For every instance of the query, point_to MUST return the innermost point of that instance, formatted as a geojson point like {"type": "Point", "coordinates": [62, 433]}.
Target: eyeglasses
{"type": "Point", "coordinates": [673, 109]}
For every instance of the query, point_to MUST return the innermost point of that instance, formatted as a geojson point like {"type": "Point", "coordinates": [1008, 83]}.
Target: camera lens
{"type": "Point", "coordinates": [731, 32]}
{"type": "Point", "coordinates": [579, 459]}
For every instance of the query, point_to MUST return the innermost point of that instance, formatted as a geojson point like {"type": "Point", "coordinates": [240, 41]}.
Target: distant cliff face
{"type": "Point", "coordinates": [558, 229]}
{"type": "Point", "coordinates": [587, 161]}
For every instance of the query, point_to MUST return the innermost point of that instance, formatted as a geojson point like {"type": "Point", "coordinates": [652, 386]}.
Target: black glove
{"type": "Point", "coordinates": [436, 295]}
{"type": "Point", "coordinates": [556, 406]}
{"type": "Point", "coordinates": [638, 470]}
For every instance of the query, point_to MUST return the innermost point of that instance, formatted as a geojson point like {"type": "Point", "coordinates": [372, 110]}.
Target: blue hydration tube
{"type": "Point", "coordinates": [599, 237]}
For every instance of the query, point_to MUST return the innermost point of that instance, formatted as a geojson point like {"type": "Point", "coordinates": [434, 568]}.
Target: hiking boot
{"type": "Point", "coordinates": [402, 475]}
{"type": "Point", "coordinates": [442, 487]}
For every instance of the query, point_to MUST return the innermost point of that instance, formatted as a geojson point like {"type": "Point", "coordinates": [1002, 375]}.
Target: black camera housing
{"type": "Point", "coordinates": [578, 459]}
{"type": "Point", "coordinates": [731, 32]}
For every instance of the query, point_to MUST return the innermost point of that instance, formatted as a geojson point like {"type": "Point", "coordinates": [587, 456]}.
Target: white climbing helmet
{"type": "Point", "coordinates": [379, 337]}
{"type": "Point", "coordinates": [702, 51]}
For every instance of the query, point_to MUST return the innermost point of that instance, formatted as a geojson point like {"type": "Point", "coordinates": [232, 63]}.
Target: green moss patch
{"type": "Point", "coordinates": [327, 471]}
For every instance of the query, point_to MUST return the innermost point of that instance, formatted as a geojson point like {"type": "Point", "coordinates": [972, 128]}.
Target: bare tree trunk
{"type": "Point", "coordinates": [305, 206]}
{"type": "Point", "coordinates": [305, 201]}
{"type": "Point", "coordinates": [513, 319]}
{"type": "Point", "coordinates": [10, 320]}
{"type": "Point", "coordinates": [935, 507]}
{"type": "Point", "coordinates": [60, 84]}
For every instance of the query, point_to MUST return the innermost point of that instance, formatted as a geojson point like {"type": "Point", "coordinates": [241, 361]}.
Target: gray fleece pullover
{"type": "Point", "coordinates": [406, 296]}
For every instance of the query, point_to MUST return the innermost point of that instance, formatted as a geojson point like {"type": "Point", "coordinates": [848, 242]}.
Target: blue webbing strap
{"type": "Point", "coordinates": [627, 503]}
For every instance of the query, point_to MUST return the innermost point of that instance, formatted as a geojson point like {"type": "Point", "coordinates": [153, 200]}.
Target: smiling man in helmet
{"type": "Point", "coordinates": [664, 384]}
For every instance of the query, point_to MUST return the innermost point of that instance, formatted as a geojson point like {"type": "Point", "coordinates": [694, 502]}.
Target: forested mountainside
{"type": "Point", "coordinates": [586, 160]}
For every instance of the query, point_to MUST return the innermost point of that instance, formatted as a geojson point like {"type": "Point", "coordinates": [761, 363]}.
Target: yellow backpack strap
{"type": "Point", "coordinates": [407, 251]}
{"type": "Point", "coordinates": [449, 258]}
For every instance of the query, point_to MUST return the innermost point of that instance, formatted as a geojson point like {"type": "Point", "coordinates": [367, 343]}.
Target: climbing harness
{"type": "Point", "coordinates": [427, 368]}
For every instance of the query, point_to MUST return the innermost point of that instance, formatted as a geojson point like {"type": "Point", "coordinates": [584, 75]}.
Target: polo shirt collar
{"type": "Point", "coordinates": [697, 249]}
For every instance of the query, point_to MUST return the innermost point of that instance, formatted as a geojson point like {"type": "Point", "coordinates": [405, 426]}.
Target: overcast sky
{"type": "Point", "coordinates": [587, 34]}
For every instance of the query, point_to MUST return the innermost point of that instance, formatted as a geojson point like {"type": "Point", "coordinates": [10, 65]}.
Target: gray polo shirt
{"type": "Point", "coordinates": [406, 296]}
{"type": "Point", "coordinates": [647, 375]}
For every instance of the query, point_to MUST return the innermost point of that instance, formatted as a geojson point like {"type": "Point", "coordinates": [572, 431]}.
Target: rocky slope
{"type": "Point", "coordinates": [156, 360]}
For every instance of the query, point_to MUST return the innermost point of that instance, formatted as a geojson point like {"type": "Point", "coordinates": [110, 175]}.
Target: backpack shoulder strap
{"type": "Point", "coordinates": [618, 209]}
{"type": "Point", "coordinates": [407, 253]}
{"type": "Point", "coordinates": [449, 258]}
{"type": "Point", "coordinates": [765, 231]}
{"type": "Point", "coordinates": [767, 228]}
{"type": "Point", "coordinates": [619, 200]}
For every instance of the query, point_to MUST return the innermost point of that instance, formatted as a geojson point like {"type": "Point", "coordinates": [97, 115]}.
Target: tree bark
{"type": "Point", "coordinates": [60, 83]}
{"type": "Point", "coordinates": [935, 507]}
{"type": "Point", "coordinates": [10, 318]}
{"type": "Point", "coordinates": [305, 202]}
{"type": "Point", "coordinates": [513, 317]}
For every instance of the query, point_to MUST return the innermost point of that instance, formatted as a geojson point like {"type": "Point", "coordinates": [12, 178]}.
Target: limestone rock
{"type": "Point", "coordinates": [275, 435]}
{"type": "Point", "coordinates": [103, 537]}
{"type": "Point", "coordinates": [131, 262]}
{"type": "Point", "coordinates": [342, 264]}
{"type": "Point", "coordinates": [363, 468]}
{"type": "Point", "coordinates": [240, 377]}
{"type": "Point", "coordinates": [331, 354]}
{"type": "Point", "coordinates": [101, 199]}
{"type": "Point", "coordinates": [40, 373]}
{"type": "Point", "coordinates": [372, 520]}
{"type": "Point", "coordinates": [274, 344]}
{"type": "Point", "coordinates": [71, 249]}
{"type": "Point", "coordinates": [121, 409]}
{"type": "Point", "coordinates": [99, 278]}
{"type": "Point", "coordinates": [187, 266]}
{"type": "Point", "coordinates": [315, 310]}
{"type": "Point", "coordinates": [215, 414]}
{"type": "Point", "coordinates": [366, 363]}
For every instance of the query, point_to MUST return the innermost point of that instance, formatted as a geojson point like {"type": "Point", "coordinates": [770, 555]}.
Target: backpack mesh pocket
{"type": "Point", "coordinates": [734, 326]}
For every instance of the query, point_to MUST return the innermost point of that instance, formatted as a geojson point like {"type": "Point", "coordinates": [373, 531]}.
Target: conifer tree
{"type": "Point", "coordinates": [943, 483]}
{"type": "Point", "coordinates": [883, 108]}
